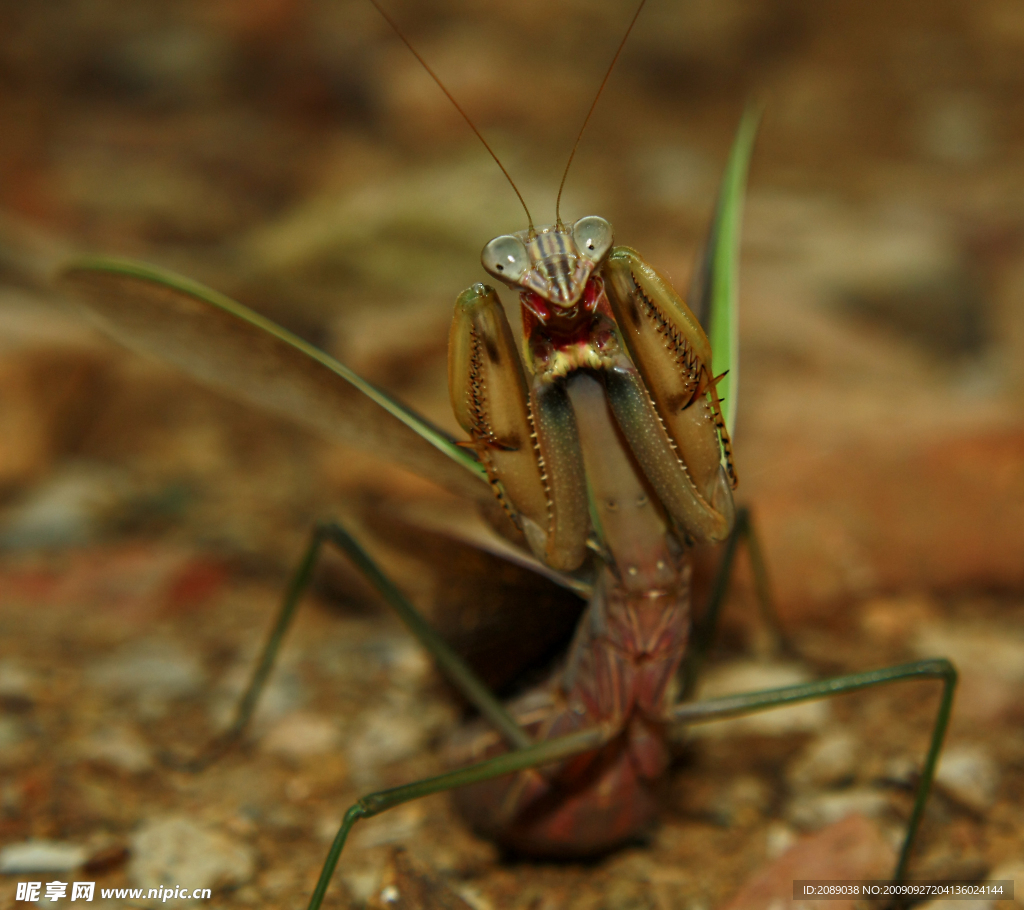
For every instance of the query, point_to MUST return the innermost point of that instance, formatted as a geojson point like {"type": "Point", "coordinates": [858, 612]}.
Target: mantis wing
{"type": "Point", "coordinates": [225, 345]}
{"type": "Point", "coordinates": [716, 286]}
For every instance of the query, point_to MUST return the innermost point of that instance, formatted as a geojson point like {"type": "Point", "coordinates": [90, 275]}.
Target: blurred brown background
{"type": "Point", "coordinates": [293, 154]}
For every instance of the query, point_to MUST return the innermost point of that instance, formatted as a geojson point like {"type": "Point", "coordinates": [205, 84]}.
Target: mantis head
{"type": "Point", "coordinates": [555, 262]}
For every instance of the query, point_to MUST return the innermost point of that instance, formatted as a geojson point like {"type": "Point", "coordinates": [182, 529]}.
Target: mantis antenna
{"type": "Point", "coordinates": [586, 120]}
{"type": "Point", "coordinates": [458, 107]}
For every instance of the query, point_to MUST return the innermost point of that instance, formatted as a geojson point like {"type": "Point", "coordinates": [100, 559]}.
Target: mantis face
{"type": "Point", "coordinates": [553, 262]}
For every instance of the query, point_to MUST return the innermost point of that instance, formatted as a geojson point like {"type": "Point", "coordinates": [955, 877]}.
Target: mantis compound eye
{"type": "Point", "coordinates": [593, 237]}
{"type": "Point", "coordinates": [506, 258]}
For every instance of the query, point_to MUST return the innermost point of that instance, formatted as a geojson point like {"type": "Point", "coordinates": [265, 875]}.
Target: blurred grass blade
{"type": "Point", "coordinates": [230, 347]}
{"type": "Point", "coordinates": [716, 283]}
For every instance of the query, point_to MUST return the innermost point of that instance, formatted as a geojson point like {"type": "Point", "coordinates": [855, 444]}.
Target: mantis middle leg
{"type": "Point", "coordinates": [453, 666]}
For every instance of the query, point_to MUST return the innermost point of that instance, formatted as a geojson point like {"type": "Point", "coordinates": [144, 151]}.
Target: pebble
{"type": "Point", "coordinates": [955, 128]}
{"type": "Point", "coordinates": [16, 682]}
{"type": "Point", "coordinates": [751, 676]}
{"type": "Point", "coordinates": [12, 799]}
{"type": "Point", "coordinates": [779, 837]}
{"type": "Point", "coordinates": [70, 508]}
{"type": "Point", "coordinates": [282, 695]}
{"type": "Point", "coordinates": [407, 885]}
{"type": "Point", "coordinates": [820, 809]}
{"type": "Point", "coordinates": [301, 735]}
{"type": "Point", "coordinates": [13, 739]}
{"type": "Point", "coordinates": [1012, 871]}
{"type": "Point", "coordinates": [850, 849]}
{"type": "Point", "coordinates": [896, 618]}
{"type": "Point", "coordinates": [394, 732]}
{"type": "Point", "coordinates": [902, 770]}
{"type": "Point", "coordinates": [990, 661]}
{"type": "Point", "coordinates": [385, 737]}
{"type": "Point", "coordinates": [408, 664]}
{"type": "Point", "coordinates": [969, 775]}
{"type": "Point", "coordinates": [946, 904]}
{"type": "Point", "coordinates": [41, 856]}
{"type": "Point", "coordinates": [120, 748]}
{"type": "Point", "coordinates": [172, 62]}
{"type": "Point", "coordinates": [743, 802]}
{"type": "Point", "coordinates": [173, 850]}
{"type": "Point", "coordinates": [394, 827]}
{"type": "Point", "coordinates": [152, 672]}
{"type": "Point", "coordinates": [997, 651]}
{"type": "Point", "coordinates": [827, 761]}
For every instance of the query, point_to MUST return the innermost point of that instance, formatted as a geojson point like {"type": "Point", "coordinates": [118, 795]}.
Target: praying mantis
{"type": "Point", "coordinates": [605, 435]}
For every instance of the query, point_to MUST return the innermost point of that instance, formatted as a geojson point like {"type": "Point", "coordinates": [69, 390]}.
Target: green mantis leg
{"type": "Point", "coordinates": [683, 715]}
{"type": "Point", "coordinates": [750, 702]}
{"type": "Point", "coordinates": [457, 671]}
{"type": "Point", "coordinates": [530, 757]}
{"type": "Point", "coordinates": [703, 636]}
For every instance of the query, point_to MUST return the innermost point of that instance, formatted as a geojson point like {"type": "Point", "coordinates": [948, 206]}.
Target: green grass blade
{"type": "Point", "coordinates": [227, 345]}
{"type": "Point", "coordinates": [719, 295]}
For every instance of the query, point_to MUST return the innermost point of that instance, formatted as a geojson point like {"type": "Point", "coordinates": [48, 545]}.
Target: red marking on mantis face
{"type": "Point", "coordinates": [562, 327]}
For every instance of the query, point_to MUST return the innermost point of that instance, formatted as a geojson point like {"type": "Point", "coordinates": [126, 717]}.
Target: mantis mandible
{"type": "Point", "coordinates": [605, 436]}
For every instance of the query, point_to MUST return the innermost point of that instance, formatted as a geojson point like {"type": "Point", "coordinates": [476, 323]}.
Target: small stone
{"type": "Point", "coordinates": [742, 802]}
{"type": "Point", "coordinates": [109, 856]}
{"type": "Point", "coordinates": [850, 849]}
{"type": "Point", "coordinates": [249, 894]}
{"type": "Point", "coordinates": [119, 748]}
{"type": "Point", "coordinates": [820, 809]}
{"type": "Point", "coordinates": [779, 838]}
{"type": "Point", "coordinates": [283, 694]}
{"type": "Point", "coordinates": [1012, 871]}
{"type": "Point", "coordinates": [16, 682]}
{"type": "Point", "coordinates": [154, 673]}
{"type": "Point", "coordinates": [946, 904]}
{"type": "Point", "coordinates": [395, 732]}
{"type": "Point", "coordinates": [901, 769]}
{"type": "Point", "coordinates": [827, 761]}
{"type": "Point", "coordinates": [70, 508]}
{"type": "Point", "coordinates": [896, 618]}
{"type": "Point", "coordinates": [407, 885]}
{"type": "Point", "coordinates": [41, 856]}
{"type": "Point", "coordinates": [13, 740]}
{"type": "Point", "coordinates": [409, 664]}
{"type": "Point", "coordinates": [955, 128]}
{"type": "Point", "coordinates": [394, 827]}
{"type": "Point", "coordinates": [301, 735]}
{"type": "Point", "coordinates": [968, 774]}
{"type": "Point", "coordinates": [752, 676]}
{"type": "Point", "coordinates": [990, 661]}
{"type": "Point", "coordinates": [278, 881]}
{"type": "Point", "coordinates": [999, 651]}
{"type": "Point", "coordinates": [172, 850]}
{"type": "Point", "coordinates": [12, 799]}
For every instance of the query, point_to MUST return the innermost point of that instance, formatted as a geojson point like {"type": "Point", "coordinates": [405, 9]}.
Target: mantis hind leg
{"type": "Point", "coordinates": [751, 702]}
{"type": "Point", "coordinates": [703, 636]}
{"type": "Point", "coordinates": [552, 750]}
{"type": "Point", "coordinates": [297, 585]}
{"type": "Point", "coordinates": [457, 671]}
